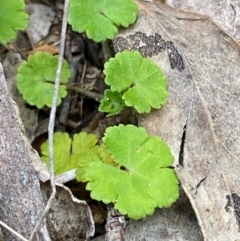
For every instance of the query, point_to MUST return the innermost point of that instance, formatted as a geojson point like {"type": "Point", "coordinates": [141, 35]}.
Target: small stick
{"type": "Point", "coordinates": [115, 226]}
{"type": "Point", "coordinates": [13, 231]}
{"type": "Point", "coordinates": [90, 94]}
{"type": "Point", "coordinates": [52, 119]}
{"type": "Point", "coordinates": [81, 83]}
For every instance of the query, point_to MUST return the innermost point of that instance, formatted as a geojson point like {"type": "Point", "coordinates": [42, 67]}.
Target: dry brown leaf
{"type": "Point", "coordinates": [226, 13]}
{"type": "Point", "coordinates": [201, 120]}
{"type": "Point", "coordinates": [45, 48]}
{"type": "Point", "coordinates": [69, 218]}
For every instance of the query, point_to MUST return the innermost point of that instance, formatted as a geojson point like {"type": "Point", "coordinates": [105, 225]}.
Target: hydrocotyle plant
{"type": "Point", "coordinates": [12, 18]}
{"type": "Point", "coordinates": [35, 79]}
{"type": "Point", "coordinates": [142, 179]}
{"type": "Point", "coordinates": [100, 19]}
{"type": "Point", "coordinates": [134, 81]}
{"type": "Point", "coordinates": [130, 169]}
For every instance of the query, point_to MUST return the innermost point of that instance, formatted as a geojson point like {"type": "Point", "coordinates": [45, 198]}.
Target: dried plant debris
{"type": "Point", "coordinates": [69, 218]}
{"type": "Point", "coordinates": [150, 46]}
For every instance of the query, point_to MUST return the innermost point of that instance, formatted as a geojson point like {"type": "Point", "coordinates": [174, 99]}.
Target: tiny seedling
{"type": "Point", "coordinates": [12, 18]}
{"type": "Point", "coordinates": [134, 81]}
{"type": "Point", "coordinates": [112, 103]}
{"type": "Point", "coordinates": [100, 19]}
{"type": "Point", "coordinates": [35, 79]}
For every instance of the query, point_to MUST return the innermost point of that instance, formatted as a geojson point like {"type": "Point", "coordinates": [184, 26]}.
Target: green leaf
{"type": "Point", "coordinates": [35, 79]}
{"type": "Point", "coordinates": [144, 180]}
{"type": "Point", "coordinates": [144, 83]}
{"type": "Point", "coordinates": [112, 103]}
{"type": "Point", "coordinates": [83, 165]}
{"type": "Point", "coordinates": [69, 152]}
{"type": "Point", "coordinates": [100, 18]}
{"type": "Point", "coordinates": [62, 146]}
{"type": "Point", "coordinates": [12, 18]}
{"type": "Point", "coordinates": [84, 151]}
{"type": "Point", "coordinates": [94, 156]}
{"type": "Point", "coordinates": [105, 155]}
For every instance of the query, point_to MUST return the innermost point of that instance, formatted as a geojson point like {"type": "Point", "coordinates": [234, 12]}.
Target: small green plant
{"type": "Point", "coordinates": [100, 19]}
{"type": "Point", "coordinates": [112, 103]}
{"type": "Point", "coordinates": [12, 18]}
{"type": "Point", "coordinates": [130, 83]}
{"type": "Point", "coordinates": [35, 79]}
{"type": "Point", "coordinates": [134, 81]}
{"type": "Point", "coordinates": [130, 169]}
{"type": "Point", "coordinates": [142, 180]}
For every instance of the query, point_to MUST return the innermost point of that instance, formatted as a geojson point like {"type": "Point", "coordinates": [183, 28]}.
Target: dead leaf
{"type": "Point", "coordinates": [177, 223]}
{"type": "Point", "coordinates": [201, 120]}
{"type": "Point", "coordinates": [45, 48]}
{"type": "Point", "coordinates": [68, 218]}
{"type": "Point", "coordinates": [41, 18]}
{"type": "Point", "coordinates": [226, 13]}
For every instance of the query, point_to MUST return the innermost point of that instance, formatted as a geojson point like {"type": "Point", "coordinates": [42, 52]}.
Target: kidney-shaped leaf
{"type": "Point", "coordinates": [12, 18]}
{"type": "Point", "coordinates": [100, 18]}
{"type": "Point", "coordinates": [35, 79]}
{"type": "Point", "coordinates": [142, 180]}
{"type": "Point", "coordinates": [144, 83]}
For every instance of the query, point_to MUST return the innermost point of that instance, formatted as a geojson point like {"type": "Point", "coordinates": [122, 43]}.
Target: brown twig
{"type": "Point", "coordinates": [90, 94]}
